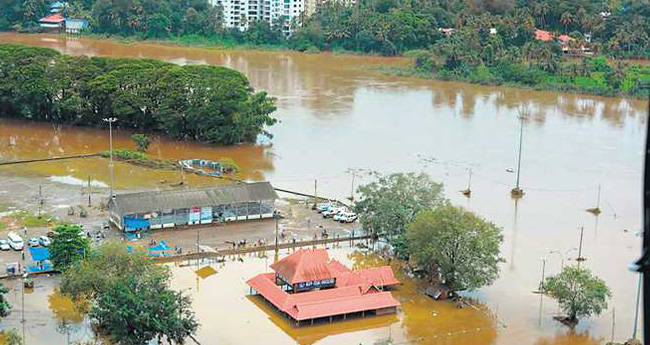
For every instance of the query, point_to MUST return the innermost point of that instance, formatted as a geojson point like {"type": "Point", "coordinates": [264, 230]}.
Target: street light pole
{"type": "Point", "coordinates": [110, 121]}
{"type": "Point", "coordinates": [636, 306]}
{"type": "Point", "coordinates": [276, 230]}
{"type": "Point", "coordinates": [541, 282]}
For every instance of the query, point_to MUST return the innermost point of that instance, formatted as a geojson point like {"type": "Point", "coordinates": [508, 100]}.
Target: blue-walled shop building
{"type": "Point", "coordinates": [165, 209]}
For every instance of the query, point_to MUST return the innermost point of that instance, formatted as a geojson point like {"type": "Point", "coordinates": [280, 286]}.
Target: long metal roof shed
{"type": "Point", "coordinates": [144, 202]}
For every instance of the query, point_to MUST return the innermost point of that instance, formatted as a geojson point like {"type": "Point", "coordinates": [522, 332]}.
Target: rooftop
{"type": "Point", "coordinates": [52, 19]}
{"type": "Point", "coordinates": [143, 202]}
{"type": "Point", "coordinates": [355, 291]}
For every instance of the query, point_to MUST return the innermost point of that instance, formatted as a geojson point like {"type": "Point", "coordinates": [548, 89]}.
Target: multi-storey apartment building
{"type": "Point", "coordinates": [240, 13]}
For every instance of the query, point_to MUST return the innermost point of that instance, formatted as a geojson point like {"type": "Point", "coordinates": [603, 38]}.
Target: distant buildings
{"type": "Point", "coordinates": [564, 41]}
{"type": "Point", "coordinates": [241, 13]}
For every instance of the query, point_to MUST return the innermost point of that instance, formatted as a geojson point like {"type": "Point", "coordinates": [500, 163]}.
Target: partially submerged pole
{"type": "Point", "coordinates": [517, 192]}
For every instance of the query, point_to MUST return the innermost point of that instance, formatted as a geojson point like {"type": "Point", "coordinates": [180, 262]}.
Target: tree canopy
{"type": "Point", "coordinates": [457, 246]}
{"type": "Point", "coordinates": [389, 204]}
{"type": "Point", "coordinates": [204, 103]}
{"type": "Point", "coordinates": [578, 292]}
{"type": "Point", "coordinates": [68, 246]}
{"type": "Point", "coordinates": [131, 301]}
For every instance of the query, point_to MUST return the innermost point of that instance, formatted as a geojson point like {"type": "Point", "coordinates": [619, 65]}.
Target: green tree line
{"type": "Point", "coordinates": [205, 103]}
{"type": "Point", "coordinates": [620, 28]}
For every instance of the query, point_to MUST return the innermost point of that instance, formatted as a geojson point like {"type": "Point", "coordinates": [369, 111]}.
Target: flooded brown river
{"type": "Point", "coordinates": [335, 115]}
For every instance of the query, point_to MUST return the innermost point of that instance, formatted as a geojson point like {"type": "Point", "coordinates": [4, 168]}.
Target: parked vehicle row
{"type": "Point", "coordinates": [336, 212]}
{"type": "Point", "coordinates": [15, 242]}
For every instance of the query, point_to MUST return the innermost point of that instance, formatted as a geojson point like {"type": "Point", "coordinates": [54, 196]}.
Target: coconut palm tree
{"type": "Point", "coordinates": [566, 19]}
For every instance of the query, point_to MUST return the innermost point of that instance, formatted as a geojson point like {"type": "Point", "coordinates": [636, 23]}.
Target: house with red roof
{"type": "Point", "coordinates": [308, 286]}
{"type": "Point", "coordinates": [563, 40]}
{"type": "Point", "coordinates": [53, 22]}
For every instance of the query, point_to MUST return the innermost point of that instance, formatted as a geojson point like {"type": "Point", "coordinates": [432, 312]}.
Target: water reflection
{"type": "Point", "coordinates": [570, 337]}
{"type": "Point", "coordinates": [323, 84]}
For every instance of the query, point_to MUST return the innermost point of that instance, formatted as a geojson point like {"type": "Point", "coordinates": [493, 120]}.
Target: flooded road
{"type": "Point", "coordinates": [335, 116]}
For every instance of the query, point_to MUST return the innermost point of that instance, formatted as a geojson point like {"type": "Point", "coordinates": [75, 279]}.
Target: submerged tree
{"type": "Point", "coordinates": [457, 246]}
{"type": "Point", "coordinates": [388, 205]}
{"type": "Point", "coordinates": [131, 300]}
{"type": "Point", "coordinates": [138, 309]}
{"type": "Point", "coordinates": [578, 291]}
{"type": "Point", "coordinates": [142, 141]}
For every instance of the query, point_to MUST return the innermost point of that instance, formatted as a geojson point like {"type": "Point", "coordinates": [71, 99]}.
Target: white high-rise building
{"type": "Point", "coordinates": [240, 13]}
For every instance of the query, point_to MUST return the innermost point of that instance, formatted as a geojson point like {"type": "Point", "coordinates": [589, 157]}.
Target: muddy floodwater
{"type": "Point", "coordinates": [334, 114]}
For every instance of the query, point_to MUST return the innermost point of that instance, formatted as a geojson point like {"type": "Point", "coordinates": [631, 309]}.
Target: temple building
{"type": "Point", "coordinates": [308, 286]}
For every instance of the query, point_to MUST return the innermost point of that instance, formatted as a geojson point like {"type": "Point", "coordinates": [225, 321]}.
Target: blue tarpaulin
{"type": "Point", "coordinates": [133, 224]}
{"type": "Point", "coordinates": [46, 267]}
{"type": "Point", "coordinates": [162, 245]}
{"type": "Point", "coordinates": [39, 254]}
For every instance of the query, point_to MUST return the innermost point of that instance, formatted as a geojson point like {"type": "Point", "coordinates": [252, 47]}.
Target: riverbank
{"type": "Point", "coordinates": [553, 82]}
{"type": "Point", "coordinates": [413, 72]}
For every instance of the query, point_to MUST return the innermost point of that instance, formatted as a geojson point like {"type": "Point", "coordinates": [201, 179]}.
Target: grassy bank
{"type": "Point", "coordinates": [594, 85]}
{"type": "Point", "coordinates": [140, 159]}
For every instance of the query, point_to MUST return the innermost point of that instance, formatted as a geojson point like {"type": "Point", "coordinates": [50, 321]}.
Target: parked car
{"type": "Point", "coordinates": [324, 207]}
{"type": "Point", "coordinates": [337, 217]}
{"type": "Point", "coordinates": [349, 218]}
{"type": "Point", "coordinates": [45, 241]}
{"type": "Point", "coordinates": [4, 245]}
{"type": "Point", "coordinates": [34, 242]}
{"type": "Point", "coordinates": [333, 211]}
{"type": "Point", "coordinates": [15, 241]}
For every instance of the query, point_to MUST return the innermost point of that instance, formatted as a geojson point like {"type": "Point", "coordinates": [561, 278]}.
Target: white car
{"type": "Point", "coordinates": [45, 241]}
{"type": "Point", "coordinates": [349, 218]}
{"type": "Point", "coordinates": [15, 241]}
{"type": "Point", "coordinates": [34, 242]}
{"type": "Point", "coordinates": [339, 216]}
{"type": "Point", "coordinates": [323, 207]}
{"type": "Point", "coordinates": [333, 211]}
{"type": "Point", "coordinates": [4, 245]}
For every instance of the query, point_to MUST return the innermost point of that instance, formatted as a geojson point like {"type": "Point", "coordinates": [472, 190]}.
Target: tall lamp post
{"type": "Point", "coordinates": [110, 121]}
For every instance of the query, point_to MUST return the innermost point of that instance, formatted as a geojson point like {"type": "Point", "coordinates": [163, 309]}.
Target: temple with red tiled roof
{"type": "Point", "coordinates": [307, 286]}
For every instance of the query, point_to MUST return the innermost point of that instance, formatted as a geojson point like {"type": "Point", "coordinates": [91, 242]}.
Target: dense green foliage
{"type": "Point", "coordinates": [104, 266]}
{"type": "Point", "coordinates": [206, 103]}
{"type": "Point", "coordinates": [13, 338]}
{"type": "Point", "coordinates": [617, 27]}
{"type": "Point", "coordinates": [578, 292]}
{"type": "Point", "coordinates": [68, 246]}
{"type": "Point", "coordinates": [142, 141]}
{"type": "Point", "coordinates": [132, 302]}
{"type": "Point", "coordinates": [389, 204]}
{"type": "Point", "coordinates": [490, 42]}
{"type": "Point", "coordinates": [5, 307]}
{"type": "Point", "coordinates": [456, 246]}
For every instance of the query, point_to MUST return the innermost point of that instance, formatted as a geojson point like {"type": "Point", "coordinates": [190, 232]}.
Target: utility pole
{"type": "Point", "coordinates": [89, 191]}
{"type": "Point", "coordinates": [110, 121]}
{"type": "Point", "coordinates": [517, 192]}
{"type": "Point", "coordinates": [315, 193]}
{"type": "Point", "coordinates": [468, 192]}
{"type": "Point", "coordinates": [580, 258]}
{"type": "Point", "coordinates": [352, 187]}
{"type": "Point", "coordinates": [636, 306]}
{"type": "Point", "coordinates": [277, 225]}
{"type": "Point", "coordinates": [40, 201]}
{"type": "Point", "coordinates": [541, 282]}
